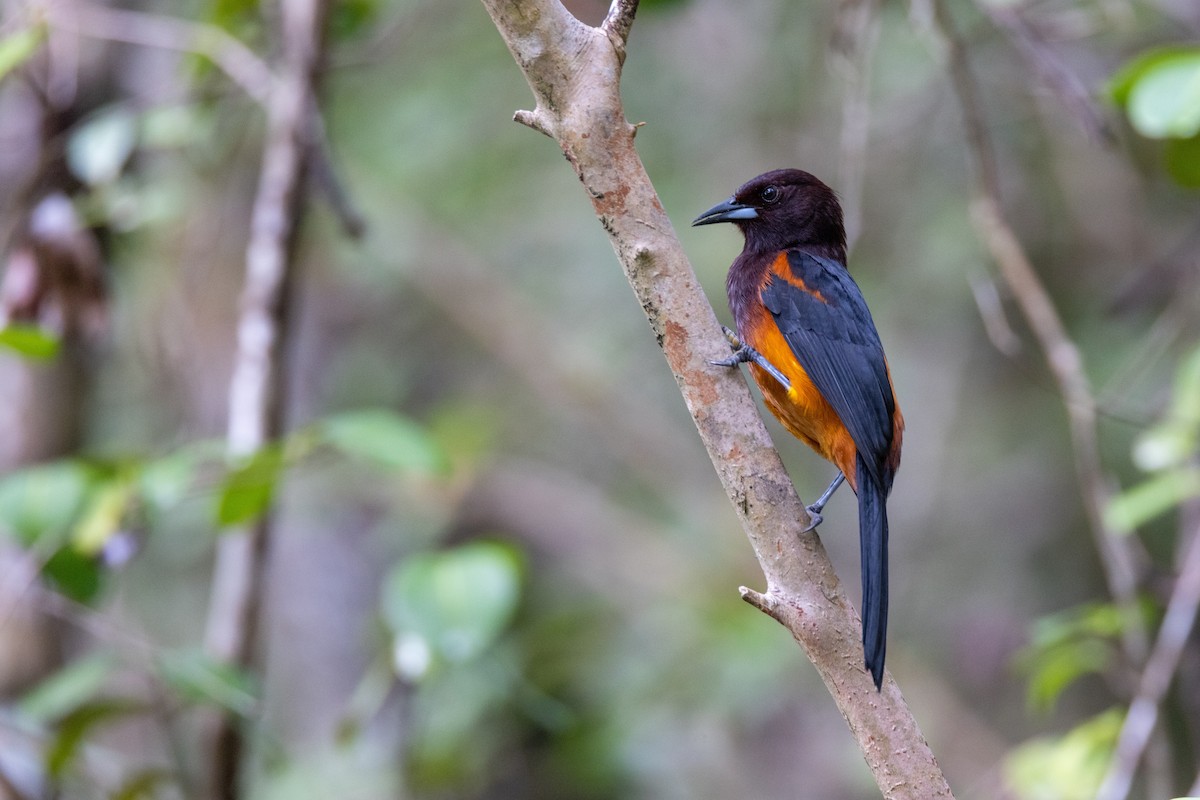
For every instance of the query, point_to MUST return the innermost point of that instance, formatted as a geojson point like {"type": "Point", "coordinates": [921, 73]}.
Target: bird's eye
{"type": "Point", "coordinates": [770, 194]}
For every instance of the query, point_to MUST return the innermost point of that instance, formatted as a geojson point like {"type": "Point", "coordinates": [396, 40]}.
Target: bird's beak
{"type": "Point", "coordinates": [729, 211]}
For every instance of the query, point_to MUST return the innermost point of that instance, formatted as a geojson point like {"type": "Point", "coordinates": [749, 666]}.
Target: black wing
{"type": "Point", "coordinates": [830, 330]}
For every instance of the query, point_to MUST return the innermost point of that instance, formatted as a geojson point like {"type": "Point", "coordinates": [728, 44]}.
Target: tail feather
{"type": "Point", "coordinates": [873, 541]}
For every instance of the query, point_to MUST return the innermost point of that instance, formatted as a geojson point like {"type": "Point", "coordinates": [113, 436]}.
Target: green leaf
{"type": "Point", "coordinates": [385, 438]}
{"type": "Point", "coordinates": [247, 491]}
{"type": "Point", "coordinates": [75, 574]}
{"type": "Point", "coordinates": [1066, 646]}
{"type": "Point", "coordinates": [30, 341]}
{"type": "Point", "coordinates": [103, 516]}
{"type": "Point", "coordinates": [144, 785]}
{"type": "Point", "coordinates": [1069, 767]}
{"type": "Point", "coordinates": [1056, 669]}
{"type": "Point", "coordinates": [1173, 441]}
{"type": "Point", "coordinates": [166, 481]}
{"type": "Point", "coordinates": [227, 13]}
{"type": "Point", "coordinates": [200, 679]}
{"type": "Point", "coordinates": [1183, 161]}
{"type": "Point", "coordinates": [68, 689]}
{"type": "Point", "coordinates": [75, 727]}
{"type": "Point", "coordinates": [1142, 503]}
{"type": "Point", "coordinates": [450, 605]}
{"type": "Point", "coordinates": [1185, 405]}
{"type": "Point", "coordinates": [352, 18]}
{"type": "Point", "coordinates": [1161, 93]}
{"type": "Point", "coordinates": [465, 431]}
{"type": "Point", "coordinates": [1123, 81]}
{"type": "Point", "coordinates": [97, 151]}
{"type": "Point", "coordinates": [39, 504]}
{"type": "Point", "coordinates": [1092, 619]}
{"type": "Point", "coordinates": [18, 47]}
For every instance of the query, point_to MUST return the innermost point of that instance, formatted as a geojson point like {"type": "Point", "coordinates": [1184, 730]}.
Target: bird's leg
{"type": "Point", "coordinates": [743, 353]}
{"type": "Point", "coordinates": [814, 511]}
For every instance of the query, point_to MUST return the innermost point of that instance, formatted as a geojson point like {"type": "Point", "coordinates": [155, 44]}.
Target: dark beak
{"type": "Point", "coordinates": [729, 211]}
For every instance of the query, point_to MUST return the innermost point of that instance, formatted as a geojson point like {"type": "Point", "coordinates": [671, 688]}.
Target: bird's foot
{"type": "Point", "coordinates": [741, 352]}
{"type": "Point", "coordinates": [744, 353]}
{"type": "Point", "coordinates": [814, 518]}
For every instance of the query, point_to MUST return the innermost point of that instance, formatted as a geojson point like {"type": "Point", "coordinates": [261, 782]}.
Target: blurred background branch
{"type": "Point", "coordinates": [1157, 674]}
{"type": "Point", "coordinates": [259, 379]}
{"type": "Point", "coordinates": [246, 69]}
{"type": "Point", "coordinates": [1118, 553]}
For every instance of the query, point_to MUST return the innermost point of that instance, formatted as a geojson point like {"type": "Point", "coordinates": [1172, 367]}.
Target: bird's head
{"type": "Point", "coordinates": [781, 209]}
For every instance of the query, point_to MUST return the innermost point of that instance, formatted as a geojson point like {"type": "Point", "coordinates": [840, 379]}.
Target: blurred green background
{"type": "Point", "coordinates": [502, 565]}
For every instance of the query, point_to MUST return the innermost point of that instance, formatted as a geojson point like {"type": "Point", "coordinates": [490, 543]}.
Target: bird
{"type": "Point", "coordinates": [804, 327]}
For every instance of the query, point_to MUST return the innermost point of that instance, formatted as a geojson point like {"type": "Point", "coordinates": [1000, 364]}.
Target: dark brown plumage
{"type": "Point", "coordinates": [795, 304]}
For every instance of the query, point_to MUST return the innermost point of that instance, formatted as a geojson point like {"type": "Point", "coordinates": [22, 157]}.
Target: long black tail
{"type": "Point", "coordinates": [873, 541]}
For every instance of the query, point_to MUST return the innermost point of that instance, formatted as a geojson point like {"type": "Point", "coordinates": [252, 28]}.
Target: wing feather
{"type": "Point", "coordinates": [830, 330]}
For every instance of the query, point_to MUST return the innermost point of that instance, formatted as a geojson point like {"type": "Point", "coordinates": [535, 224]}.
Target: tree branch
{"type": "Point", "coordinates": [169, 33]}
{"type": "Point", "coordinates": [231, 56]}
{"type": "Point", "coordinates": [857, 34]}
{"type": "Point", "coordinates": [255, 407]}
{"type": "Point", "coordinates": [1160, 667]}
{"type": "Point", "coordinates": [1118, 555]}
{"type": "Point", "coordinates": [1068, 89]}
{"type": "Point", "coordinates": [617, 24]}
{"type": "Point", "coordinates": [574, 72]}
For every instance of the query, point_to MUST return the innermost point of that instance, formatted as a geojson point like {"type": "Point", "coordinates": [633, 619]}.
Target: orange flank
{"type": "Point", "coordinates": [802, 410]}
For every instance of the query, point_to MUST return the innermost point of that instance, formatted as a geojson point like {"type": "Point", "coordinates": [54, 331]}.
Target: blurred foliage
{"type": "Point", "coordinates": [198, 679]}
{"type": "Point", "coordinates": [504, 567]}
{"type": "Point", "coordinates": [449, 606]}
{"type": "Point", "coordinates": [1066, 646]}
{"type": "Point", "coordinates": [385, 439]}
{"type": "Point", "coordinates": [17, 47]}
{"type": "Point", "coordinates": [29, 341]}
{"type": "Point", "coordinates": [1168, 450]}
{"type": "Point", "coordinates": [1160, 91]}
{"type": "Point", "coordinates": [1069, 767]}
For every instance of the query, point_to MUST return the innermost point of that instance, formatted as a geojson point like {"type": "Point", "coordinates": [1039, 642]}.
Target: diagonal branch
{"type": "Point", "coordinates": [574, 72]}
{"type": "Point", "coordinates": [169, 33]}
{"type": "Point", "coordinates": [1068, 89]}
{"type": "Point", "coordinates": [1118, 553]}
{"type": "Point", "coordinates": [1156, 678]}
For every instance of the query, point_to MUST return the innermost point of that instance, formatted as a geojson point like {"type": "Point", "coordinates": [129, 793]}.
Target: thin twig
{"type": "Point", "coordinates": [1121, 561]}
{"type": "Point", "coordinates": [131, 644]}
{"type": "Point", "coordinates": [618, 23]}
{"type": "Point", "coordinates": [1066, 86]}
{"type": "Point", "coordinates": [995, 323]}
{"type": "Point", "coordinates": [255, 396]}
{"type": "Point", "coordinates": [169, 33]}
{"type": "Point", "coordinates": [859, 25]}
{"type": "Point", "coordinates": [233, 58]}
{"type": "Point", "coordinates": [326, 178]}
{"type": "Point", "coordinates": [1156, 677]}
{"type": "Point", "coordinates": [574, 72]}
